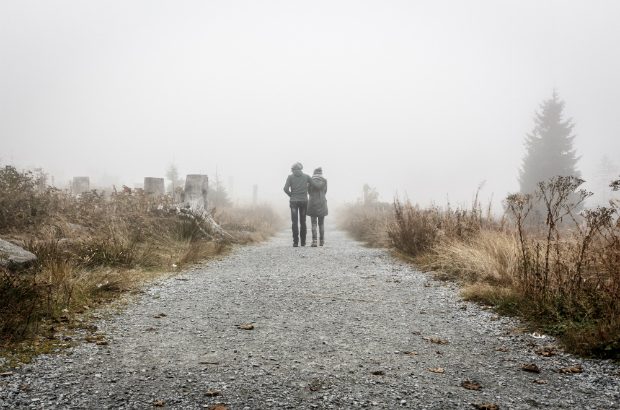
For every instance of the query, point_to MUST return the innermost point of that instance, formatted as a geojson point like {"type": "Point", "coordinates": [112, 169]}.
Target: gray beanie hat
{"type": "Point", "coordinates": [297, 165]}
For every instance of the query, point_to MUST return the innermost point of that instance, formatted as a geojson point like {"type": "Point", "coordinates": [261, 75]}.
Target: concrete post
{"type": "Point", "coordinates": [154, 186]}
{"type": "Point", "coordinates": [196, 187]}
{"type": "Point", "coordinates": [80, 185]}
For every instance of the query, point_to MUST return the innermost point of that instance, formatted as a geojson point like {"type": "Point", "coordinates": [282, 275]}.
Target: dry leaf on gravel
{"type": "Point", "coordinates": [436, 369]}
{"type": "Point", "coordinates": [159, 403]}
{"type": "Point", "coordinates": [571, 369]}
{"type": "Point", "coordinates": [540, 381]}
{"type": "Point", "coordinates": [485, 406]}
{"type": "Point", "coordinates": [502, 349]}
{"type": "Point", "coordinates": [246, 326]}
{"type": "Point", "coordinates": [212, 393]}
{"type": "Point", "coordinates": [378, 373]}
{"type": "Point", "coordinates": [471, 385]}
{"type": "Point", "coordinates": [101, 342]}
{"type": "Point", "coordinates": [546, 351]}
{"type": "Point", "coordinates": [160, 315]}
{"type": "Point", "coordinates": [315, 385]}
{"type": "Point", "coordinates": [410, 353]}
{"type": "Point", "coordinates": [530, 367]}
{"type": "Point", "coordinates": [218, 407]}
{"type": "Point", "coordinates": [438, 340]}
{"type": "Point", "coordinates": [94, 338]}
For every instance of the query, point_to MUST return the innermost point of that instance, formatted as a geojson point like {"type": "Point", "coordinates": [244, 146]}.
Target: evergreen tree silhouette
{"type": "Point", "coordinates": [549, 147]}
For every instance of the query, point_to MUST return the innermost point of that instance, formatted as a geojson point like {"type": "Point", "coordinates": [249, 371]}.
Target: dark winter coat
{"type": "Point", "coordinates": [296, 185]}
{"type": "Point", "coordinates": [317, 205]}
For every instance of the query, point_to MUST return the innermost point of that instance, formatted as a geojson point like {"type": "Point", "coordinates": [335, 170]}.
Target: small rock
{"type": "Point", "coordinates": [14, 257]}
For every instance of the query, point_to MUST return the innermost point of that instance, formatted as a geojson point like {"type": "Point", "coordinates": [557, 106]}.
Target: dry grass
{"type": "Point", "coordinates": [562, 276]}
{"type": "Point", "coordinates": [367, 223]}
{"type": "Point", "coordinates": [95, 247]}
{"type": "Point", "coordinates": [488, 257]}
{"type": "Point", "coordinates": [250, 223]}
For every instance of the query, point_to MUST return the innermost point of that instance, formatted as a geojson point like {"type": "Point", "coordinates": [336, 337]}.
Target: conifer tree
{"type": "Point", "coordinates": [549, 147]}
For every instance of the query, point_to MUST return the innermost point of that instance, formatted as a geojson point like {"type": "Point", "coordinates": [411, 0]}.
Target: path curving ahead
{"type": "Point", "coordinates": [331, 329]}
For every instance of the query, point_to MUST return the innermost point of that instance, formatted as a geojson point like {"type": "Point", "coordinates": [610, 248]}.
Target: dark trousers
{"type": "Point", "coordinates": [320, 221]}
{"type": "Point", "coordinates": [298, 211]}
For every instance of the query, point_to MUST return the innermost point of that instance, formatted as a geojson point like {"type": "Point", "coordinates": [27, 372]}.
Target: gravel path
{"type": "Point", "coordinates": [332, 328]}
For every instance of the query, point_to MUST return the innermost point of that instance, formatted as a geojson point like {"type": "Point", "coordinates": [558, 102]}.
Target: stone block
{"type": "Point", "coordinates": [196, 187]}
{"type": "Point", "coordinates": [154, 186]}
{"type": "Point", "coordinates": [80, 185]}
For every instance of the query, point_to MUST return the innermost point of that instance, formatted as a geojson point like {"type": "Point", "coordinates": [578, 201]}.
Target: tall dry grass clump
{"type": "Point", "coordinates": [250, 223]}
{"type": "Point", "coordinates": [366, 222]}
{"type": "Point", "coordinates": [96, 245]}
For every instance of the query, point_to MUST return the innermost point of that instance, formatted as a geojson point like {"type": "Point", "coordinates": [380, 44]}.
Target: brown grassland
{"type": "Point", "coordinates": [95, 247]}
{"type": "Point", "coordinates": [546, 260]}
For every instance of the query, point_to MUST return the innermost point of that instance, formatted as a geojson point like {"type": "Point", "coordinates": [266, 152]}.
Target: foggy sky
{"type": "Point", "coordinates": [424, 98]}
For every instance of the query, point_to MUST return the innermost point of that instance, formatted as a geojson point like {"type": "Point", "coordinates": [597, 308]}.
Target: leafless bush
{"type": "Point", "coordinates": [570, 270]}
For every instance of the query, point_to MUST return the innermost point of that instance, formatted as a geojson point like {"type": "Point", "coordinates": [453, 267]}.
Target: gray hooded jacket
{"type": "Point", "coordinates": [317, 206]}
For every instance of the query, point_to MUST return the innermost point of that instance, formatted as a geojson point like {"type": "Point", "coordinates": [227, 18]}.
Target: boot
{"type": "Point", "coordinates": [313, 243]}
{"type": "Point", "coordinates": [322, 242]}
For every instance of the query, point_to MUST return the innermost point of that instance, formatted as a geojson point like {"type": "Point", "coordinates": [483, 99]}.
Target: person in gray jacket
{"type": "Point", "coordinates": [296, 187]}
{"type": "Point", "coordinates": [317, 205]}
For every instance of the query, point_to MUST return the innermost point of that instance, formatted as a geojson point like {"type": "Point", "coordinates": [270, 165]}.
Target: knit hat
{"type": "Point", "coordinates": [318, 171]}
{"type": "Point", "coordinates": [297, 165]}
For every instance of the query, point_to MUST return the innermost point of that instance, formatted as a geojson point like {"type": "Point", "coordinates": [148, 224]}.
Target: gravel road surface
{"type": "Point", "coordinates": [344, 326]}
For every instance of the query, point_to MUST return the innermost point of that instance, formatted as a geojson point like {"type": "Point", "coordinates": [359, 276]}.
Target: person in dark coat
{"type": "Point", "coordinates": [296, 187]}
{"type": "Point", "coordinates": [317, 205]}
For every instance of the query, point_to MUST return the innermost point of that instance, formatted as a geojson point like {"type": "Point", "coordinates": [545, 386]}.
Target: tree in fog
{"type": "Point", "coordinates": [173, 176]}
{"type": "Point", "coordinates": [217, 194]}
{"type": "Point", "coordinates": [549, 147]}
{"type": "Point", "coordinates": [607, 171]}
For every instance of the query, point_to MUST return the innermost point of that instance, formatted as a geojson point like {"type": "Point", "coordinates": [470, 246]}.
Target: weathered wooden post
{"type": "Point", "coordinates": [80, 185]}
{"type": "Point", "coordinates": [196, 187]}
{"type": "Point", "coordinates": [154, 186]}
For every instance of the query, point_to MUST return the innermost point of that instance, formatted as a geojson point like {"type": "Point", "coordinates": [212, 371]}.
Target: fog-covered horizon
{"type": "Point", "coordinates": [426, 99]}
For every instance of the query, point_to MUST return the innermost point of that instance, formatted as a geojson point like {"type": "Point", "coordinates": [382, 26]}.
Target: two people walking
{"type": "Point", "coordinates": [298, 187]}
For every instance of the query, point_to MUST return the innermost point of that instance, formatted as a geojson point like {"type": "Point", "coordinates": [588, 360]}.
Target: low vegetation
{"type": "Point", "coordinates": [95, 246]}
{"type": "Point", "coordinates": [546, 260]}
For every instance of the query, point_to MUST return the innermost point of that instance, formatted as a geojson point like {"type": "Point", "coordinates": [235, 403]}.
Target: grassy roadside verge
{"type": "Point", "coordinates": [93, 250]}
{"type": "Point", "coordinates": [561, 275]}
